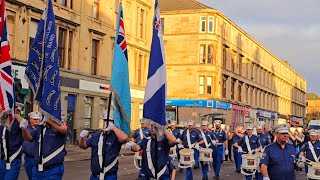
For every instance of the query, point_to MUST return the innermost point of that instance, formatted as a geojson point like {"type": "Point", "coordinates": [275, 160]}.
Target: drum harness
{"type": "Point", "coordinates": [5, 141]}
{"type": "Point", "coordinates": [149, 160]}
{"type": "Point", "coordinates": [313, 152]}
{"type": "Point", "coordinates": [250, 152]}
{"type": "Point", "coordinates": [207, 145]}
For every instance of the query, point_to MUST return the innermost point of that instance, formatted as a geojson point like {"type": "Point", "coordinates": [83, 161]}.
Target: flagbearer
{"type": "Point", "coordinates": [149, 158]}
{"type": "Point", "coordinates": [28, 147]}
{"type": "Point", "coordinates": [11, 153]}
{"type": "Point", "coordinates": [50, 163]}
{"type": "Point", "coordinates": [249, 144]}
{"type": "Point", "coordinates": [191, 139]}
{"type": "Point", "coordinates": [218, 149]}
{"type": "Point", "coordinates": [311, 149]}
{"type": "Point", "coordinates": [209, 141]}
{"type": "Point", "coordinates": [112, 138]}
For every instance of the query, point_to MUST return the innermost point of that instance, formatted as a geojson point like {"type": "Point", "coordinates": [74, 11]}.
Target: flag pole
{"type": "Point", "coordinates": [156, 154]}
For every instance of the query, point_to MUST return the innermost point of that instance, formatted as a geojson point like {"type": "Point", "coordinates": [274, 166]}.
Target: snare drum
{"type": "Point", "coordinates": [173, 152]}
{"type": "Point", "coordinates": [205, 154]}
{"type": "Point", "coordinates": [314, 170]}
{"type": "Point", "coordinates": [249, 164]}
{"type": "Point", "coordinates": [186, 158]}
{"type": "Point", "coordinates": [137, 160]}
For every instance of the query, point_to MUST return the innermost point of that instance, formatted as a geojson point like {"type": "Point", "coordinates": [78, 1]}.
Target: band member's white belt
{"type": "Point", "coordinates": [11, 158]}
{"type": "Point", "coordinates": [50, 156]}
{"type": "Point", "coordinates": [4, 145]}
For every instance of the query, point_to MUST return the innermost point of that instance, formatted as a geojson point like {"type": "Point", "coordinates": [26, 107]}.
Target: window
{"type": "Point", "coordinates": [141, 23]}
{"type": "Point", "coordinates": [10, 28]}
{"type": "Point", "coordinates": [211, 24]}
{"type": "Point", "coordinates": [33, 26]}
{"type": "Point", "coordinates": [224, 58]}
{"type": "Point", "coordinates": [233, 59]}
{"type": "Point", "coordinates": [61, 46]}
{"type": "Point", "coordinates": [224, 30]}
{"type": "Point", "coordinates": [201, 85]}
{"type": "Point", "coordinates": [224, 86]}
{"type": "Point", "coordinates": [233, 83]}
{"type": "Point", "coordinates": [140, 69]}
{"type": "Point", "coordinates": [210, 54]}
{"type": "Point", "coordinates": [240, 65]}
{"type": "Point", "coordinates": [239, 92]}
{"type": "Point", "coordinates": [94, 61]}
{"type": "Point", "coordinates": [103, 106]}
{"type": "Point", "coordinates": [203, 20]}
{"type": "Point", "coordinates": [209, 85]}
{"type": "Point", "coordinates": [95, 11]}
{"type": "Point", "coordinates": [247, 95]}
{"type": "Point", "coordinates": [202, 54]}
{"type": "Point", "coordinates": [63, 2]}
{"type": "Point", "coordinates": [88, 111]}
{"type": "Point", "coordinates": [70, 49]}
{"type": "Point", "coordinates": [162, 25]}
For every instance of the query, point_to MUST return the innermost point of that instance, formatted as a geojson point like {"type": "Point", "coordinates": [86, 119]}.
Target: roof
{"type": "Point", "coordinates": [313, 96]}
{"type": "Point", "coordinates": [178, 5]}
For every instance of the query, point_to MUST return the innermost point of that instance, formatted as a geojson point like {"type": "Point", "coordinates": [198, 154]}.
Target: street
{"type": "Point", "coordinates": [80, 170]}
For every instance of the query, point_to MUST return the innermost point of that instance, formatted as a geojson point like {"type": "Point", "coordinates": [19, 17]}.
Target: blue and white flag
{"type": "Point", "coordinates": [120, 85]}
{"type": "Point", "coordinates": [154, 108]}
{"type": "Point", "coordinates": [42, 70]}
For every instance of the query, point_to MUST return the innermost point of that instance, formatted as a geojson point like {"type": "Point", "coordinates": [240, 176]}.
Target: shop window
{"type": "Point", "coordinates": [88, 111]}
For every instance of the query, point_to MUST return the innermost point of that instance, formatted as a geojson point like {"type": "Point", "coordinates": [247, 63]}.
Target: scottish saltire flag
{"type": "Point", "coordinates": [120, 86]}
{"type": "Point", "coordinates": [42, 70]}
{"type": "Point", "coordinates": [154, 108]}
{"type": "Point", "coordinates": [6, 80]}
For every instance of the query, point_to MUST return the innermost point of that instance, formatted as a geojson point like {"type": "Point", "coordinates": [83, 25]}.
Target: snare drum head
{"type": "Point", "coordinates": [186, 151]}
{"type": "Point", "coordinates": [205, 150]}
{"type": "Point", "coordinates": [315, 164]}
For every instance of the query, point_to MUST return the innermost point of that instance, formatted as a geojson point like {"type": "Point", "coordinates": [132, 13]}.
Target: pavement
{"type": "Point", "coordinates": [74, 153]}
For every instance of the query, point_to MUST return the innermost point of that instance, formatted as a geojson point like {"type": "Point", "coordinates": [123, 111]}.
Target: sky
{"type": "Point", "coordinates": [290, 29]}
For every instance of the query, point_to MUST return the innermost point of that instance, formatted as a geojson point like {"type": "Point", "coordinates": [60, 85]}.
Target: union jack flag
{"type": "Point", "coordinates": [121, 41]}
{"type": "Point", "coordinates": [6, 79]}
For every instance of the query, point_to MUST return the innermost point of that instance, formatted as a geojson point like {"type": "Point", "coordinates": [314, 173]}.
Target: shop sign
{"type": "Point", "coordinates": [221, 105]}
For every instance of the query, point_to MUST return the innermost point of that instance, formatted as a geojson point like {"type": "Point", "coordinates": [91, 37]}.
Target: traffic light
{"type": "Point", "coordinates": [19, 97]}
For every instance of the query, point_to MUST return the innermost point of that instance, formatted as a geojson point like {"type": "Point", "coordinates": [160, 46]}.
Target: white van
{"type": "Point", "coordinates": [314, 124]}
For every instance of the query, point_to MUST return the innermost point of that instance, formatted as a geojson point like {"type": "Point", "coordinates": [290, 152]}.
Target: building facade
{"type": "Point", "coordinates": [313, 106]}
{"type": "Point", "coordinates": [85, 36]}
{"type": "Point", "coordinates": [210, 58]}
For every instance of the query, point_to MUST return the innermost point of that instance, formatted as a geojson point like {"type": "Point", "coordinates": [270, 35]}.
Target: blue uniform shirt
{"type": "Point", "coordinates": [306, 148]}
{"type": "Point", "coordinates": [52, 141]}
{"type": "Point", "coordinates": [253, 141]}
{"type": "Point", "coordinates": [146, 132]}
{"type": "Point", "coordinates": [112, 150]}
{"type": "Point", "coordinates": [194, 137]}
{"type": "Point", "coordinates": [235, 139]}
{"type": "Point", "coordinates": [162, 159]}
{"type": "Point", "coordinates": [15, 139]}
{"type": "Point", "coordinates": [280, 162]}
{"type": "Point", "coordinates": [264, 140]}
{"type": "Point", "coordinates": [27, 146]}
{"type": "Point", "coordinates": [209, 137]}
{"type": "Point", "coordinates": [176, 133]}
{"type": "Point", "coordinates": [220, 135]}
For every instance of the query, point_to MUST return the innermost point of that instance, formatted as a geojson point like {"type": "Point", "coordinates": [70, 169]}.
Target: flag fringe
{"type": "Point", "coordinates": [117, 97]}
{"type": "Point", "coordinates": [160, 128]}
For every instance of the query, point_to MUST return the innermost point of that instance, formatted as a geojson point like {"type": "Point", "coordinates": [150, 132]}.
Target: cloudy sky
{"type": "Point", "coordinates": [288, 28]}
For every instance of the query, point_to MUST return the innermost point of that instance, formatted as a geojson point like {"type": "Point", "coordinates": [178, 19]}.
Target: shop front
{"type": "Point", "coordinates": [268, 117]}
{"type": "Point", "coordinates": [238, 115]}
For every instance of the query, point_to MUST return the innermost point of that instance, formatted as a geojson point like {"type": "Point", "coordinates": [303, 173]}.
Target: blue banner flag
{"type": "Point", "coordinates": [42, 70]}
{"type": "Point", "coordinates": [120, 86]}
{"type": "Point", "coordinates": [154, 108]}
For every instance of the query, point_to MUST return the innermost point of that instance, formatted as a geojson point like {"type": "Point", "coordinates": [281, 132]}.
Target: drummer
{"type": "Point", "coordinates": [311, 149]}
{"type": "Point", "coordinates": [191, 139]}
{"type": "Point", "coordinates": [236, 136]}
{"type": "Point", "coordinates": [196, 151]}
{"type": "Point", "coordinates": [209, 141]}
{"type": "Point", "coordinates": [263, 138]}
{"type": "Point", "coordinates": [177, 134]}
{"type": "Point", "coordinates": [249, 144]}
{"type": "Point", "coordinates": [218, 149]}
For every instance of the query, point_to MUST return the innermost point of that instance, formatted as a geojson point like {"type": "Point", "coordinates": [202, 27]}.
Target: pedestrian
{"type": "Point", "coordinates": [229, 136]}
{"type": "Point", "coordinates": [218, 149]}
{"type": "Point", "coordinates": [209, 141]}
{"type": "Point", "coordinates": [237, 135]}
{"type": "Point", "coordinates": [138, 135]}
{"type": "Point", "coordinates": [191, 139]}
{"type": "Point", "coordinates": [278, 158]}
{"type": "Point", "coordinates": [310, 149]}
{"type": "Point", "coordinates": [249, 144]}
{"type": "Point", "coordinates": [28, 147]}
{"type": "Point", "coordinates": [49, 150]}
{"type": "Point", "coordinates": [154, 163]}
{"type": "Point", "coordinates": [11, 145]}
{"type": "Point", "coordinates": [105, 148]}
